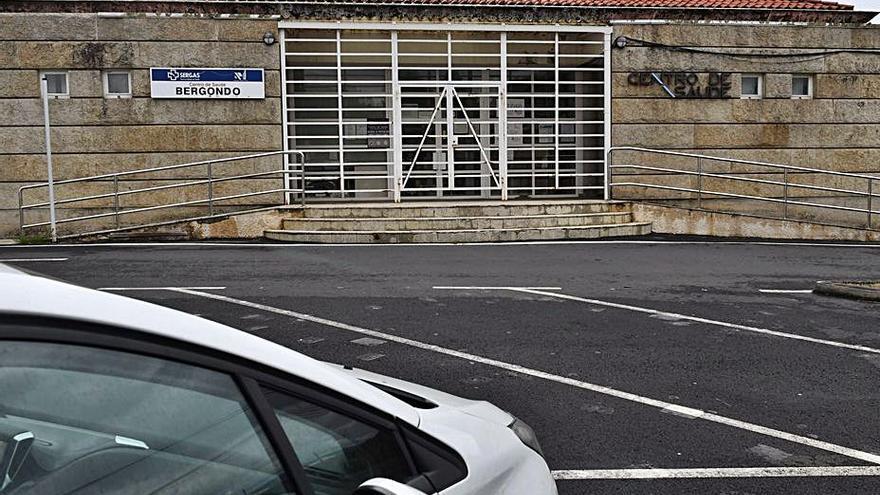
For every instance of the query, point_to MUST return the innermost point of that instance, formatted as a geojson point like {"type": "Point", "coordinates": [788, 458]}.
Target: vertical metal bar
{"type": "Point", "coordinates": [285, 132]}
{"type": "Point", "coordinates": [285, 166]}
{"type": "Point", "coordinates": [556, 111]}
{"type": "Point", "coordinates": [785, 193]}
{"type": "Point", "coordinates": [502, 118]}
{"type": "Point", "coordinates": [700, 182]}
{"type": "Point", "coordinates": [44, 87]}
{"type": "Point", "coordinates": [116, 199]}
{"type": "Point", "coordinates": [397, 121]}
{"type": "Point", "coordinates": [210, 190]}
{"type": "Point", "coordinates": [302, 178]}
{"type": "Point", "coordinates": [341, 127]}
{"type": "Point", "coordinates": [21, 211]}
{"type": "Point", "coordinates": [450, 123]}
{"type": "Point", "coordinates": [606, 113]}
{"type": "Point", "coordinates": [870, 202]}
{"type": "Point", "coordinates": [607, 156]}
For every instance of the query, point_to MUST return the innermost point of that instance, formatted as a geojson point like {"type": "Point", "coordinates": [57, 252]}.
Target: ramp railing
{"type": "Point", "coordinates": [200, 190]}
{"type": "Point", "coordinates": [717, 183]}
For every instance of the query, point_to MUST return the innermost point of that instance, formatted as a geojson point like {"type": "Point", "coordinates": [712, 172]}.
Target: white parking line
{"type": "Point", "coordinates": [465, 287]}
{"type": "Point", "coordinates": [786, 291]}
{"type": "Point", "coordinates": [695, 414]}
{"type": "Point", "coordinates": [760, 472]}
{"type": "Point", "coordinates": [122, 289]}
{"type": "Point", "coordinates": [26, 260]}
{"type": "Point", "coordinates": [697, 319]}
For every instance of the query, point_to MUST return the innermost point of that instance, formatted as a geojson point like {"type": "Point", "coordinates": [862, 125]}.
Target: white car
{"type": "Point", "coordinates": [104, 394]}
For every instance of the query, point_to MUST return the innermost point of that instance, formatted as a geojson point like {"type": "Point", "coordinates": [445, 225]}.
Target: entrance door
{"type": "Point", "coordinates": [452, 143]}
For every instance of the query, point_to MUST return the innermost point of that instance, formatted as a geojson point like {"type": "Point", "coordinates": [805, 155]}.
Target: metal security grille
{"type": "Point", "coordinates": [434, 111]}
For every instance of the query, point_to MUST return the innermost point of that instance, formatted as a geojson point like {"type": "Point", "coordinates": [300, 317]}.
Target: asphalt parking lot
{"type": "Point", "coordinates": [703, 368]}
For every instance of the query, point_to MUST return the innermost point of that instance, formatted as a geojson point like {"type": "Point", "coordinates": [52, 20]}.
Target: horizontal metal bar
{"type": "Point", "coordinates": [168, 222]}
{"type": "Point", "coordinates": [334, 81]}
{"type": "Point", "coordinates": [167, 167]}
{"type": "Point", "coordinates": [743, 179]}
{"type": "Point", "coordinates": [739, 196]}
{"type": "Point", "coordinates": [572, 187]}
{"type": "Point", "coordinates": [444, 26]}
{"type": "Point", "coordinates": [155, 188]}
{"type": "Point", "coordinates": [735, 160]}
{"type": "Point", "coordinates": [162, 207]}
{"type": "Point", "coordinates": [551, 173]}
{"type": "Point", "coordinates": [333, 54]}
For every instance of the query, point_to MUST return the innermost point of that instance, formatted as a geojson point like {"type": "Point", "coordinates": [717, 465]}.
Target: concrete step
{"type": "Point", "coordinates": [456, 209]}
{"type": "Point", "coordinates": [459, 235]}
{"type": "Point", "coordinates": [455, 223]}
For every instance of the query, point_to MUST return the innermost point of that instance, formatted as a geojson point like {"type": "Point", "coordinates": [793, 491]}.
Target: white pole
{"type": "Point", "coordinates": [44, 88]}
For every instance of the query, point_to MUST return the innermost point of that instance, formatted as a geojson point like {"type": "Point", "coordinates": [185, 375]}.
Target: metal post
{"type": "Point", "coordinates": [302, 179]}
{"type": "Point", "coordinates": [699, 182]}
{"type": "Point", "coordinates": [870, 201]}
{"type": "Point", "coordinates": [285, 130]}
{"type": "Point", "coordinates": [44, 89]}
{"type": "Point", "coordinates": [20, 211]}
{"type": "Point", "coordinates": [609, 195]}
{"type": "Point", "coordinates": [502, 119]}
{"type": "Point", "coordinates": [785, 193]}
{"type": "Point", "coordinates": [606, 113]}
{"type": "Point", "coordinates": [397, 121]}
{"type": "Point", "coordinates": [116, 199]}
{"type": "Point", "coordinates": [340, 117]}
{"type": "Point", "coordinates": [210, 190]}
{"type": "Point", "coordinates": [556, 113]}
{"type": "Point", "coordinates": [285, 167]}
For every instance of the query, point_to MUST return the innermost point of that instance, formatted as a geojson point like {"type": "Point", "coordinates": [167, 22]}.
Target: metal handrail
{"type": "Point", "coordinates": [868, 194]}
{"type": "Point", "coordinates": [117, 213]}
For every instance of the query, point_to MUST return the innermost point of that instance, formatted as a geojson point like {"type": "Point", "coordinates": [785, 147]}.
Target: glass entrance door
{"type": "Point", "coordinates": [451, 143]}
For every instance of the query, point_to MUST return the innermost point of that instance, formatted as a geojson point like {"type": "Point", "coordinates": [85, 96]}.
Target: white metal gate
{"type": "Point", "coordinates": [456, 150]}
{"type": "Point", "coordinates": [434, 110]}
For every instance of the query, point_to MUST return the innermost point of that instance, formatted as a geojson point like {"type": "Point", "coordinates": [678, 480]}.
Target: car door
{"type": "Point", "coordinates": [114, 410]}
{"type": "Point", "coordinates": [83, 419]}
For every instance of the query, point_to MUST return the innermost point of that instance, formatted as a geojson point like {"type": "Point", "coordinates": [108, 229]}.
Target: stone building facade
{"type": "Point", "coordinates": [701, 110]}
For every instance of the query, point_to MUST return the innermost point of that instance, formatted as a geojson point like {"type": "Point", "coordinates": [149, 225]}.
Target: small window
{"type": "Point", "coordinates": [117, 84]}
{"type": "Point", "coordinates": [56, 84]}
{"type": "Point", "coordinates": [752, 86]}
{"type": "Point", "coordinates": [801, 87]}
{"type": "Point", "coordinates": [337, 451]}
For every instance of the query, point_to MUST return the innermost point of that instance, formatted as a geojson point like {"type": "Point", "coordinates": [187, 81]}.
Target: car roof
{"type": "Point", "coordinates": [21, 293]}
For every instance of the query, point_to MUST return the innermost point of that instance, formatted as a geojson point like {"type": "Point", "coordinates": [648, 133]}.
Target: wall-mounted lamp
{"type": "Point", "coordinates": [621, 41]}
{"type": "Point", "coordinates": [269, 38]}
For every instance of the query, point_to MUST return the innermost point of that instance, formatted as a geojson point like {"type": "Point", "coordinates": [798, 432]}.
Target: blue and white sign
{"type": "Point", "coordinates": [214, 84]}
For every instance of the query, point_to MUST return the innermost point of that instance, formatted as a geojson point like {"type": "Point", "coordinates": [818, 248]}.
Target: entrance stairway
{"type": "Point", "coordinates": [471, 221]}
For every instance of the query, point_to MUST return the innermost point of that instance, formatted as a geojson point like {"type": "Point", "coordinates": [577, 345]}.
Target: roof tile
{"type": "Point", "coordinates": [687, 4]}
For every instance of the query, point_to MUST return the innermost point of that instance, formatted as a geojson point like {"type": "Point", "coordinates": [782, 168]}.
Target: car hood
{"type": "Point", "coordinates": [498, 462]}
{"type": "Point", "coordinates": [477, 408]}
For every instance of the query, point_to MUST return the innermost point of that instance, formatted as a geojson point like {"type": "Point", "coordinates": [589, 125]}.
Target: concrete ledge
{"type": "Point", "coordinates": [686, 221]}
{"type": "Point", "coordinates": [863, 290]}
{"type": "Point", "coordinates": [455, 223]}
{"type": "Point", "coordinates": [458, 235]}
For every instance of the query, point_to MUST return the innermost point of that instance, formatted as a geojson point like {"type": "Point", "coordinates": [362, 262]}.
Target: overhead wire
{"type": "Point", "coordinates": [808, 55]}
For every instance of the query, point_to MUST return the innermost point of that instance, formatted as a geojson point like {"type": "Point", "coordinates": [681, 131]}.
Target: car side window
{"type": "Point", "coordinates": [337, 451]}
{"type": "Point", "coordinates": [77, 419]}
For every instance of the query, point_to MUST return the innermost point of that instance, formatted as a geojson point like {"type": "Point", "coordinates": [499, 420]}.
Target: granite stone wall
{"type": "Point", "coordinates": [837, 129]}
{"type": "Point", "coordinates": [94, 135]}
